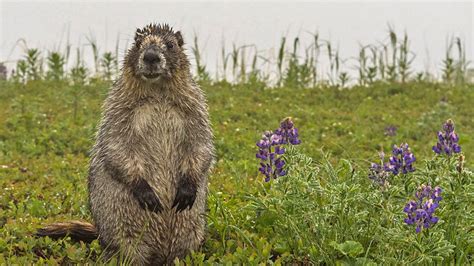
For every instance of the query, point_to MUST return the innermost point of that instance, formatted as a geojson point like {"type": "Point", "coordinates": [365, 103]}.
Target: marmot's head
{"type": "Point", "coordinates": [157, 53]}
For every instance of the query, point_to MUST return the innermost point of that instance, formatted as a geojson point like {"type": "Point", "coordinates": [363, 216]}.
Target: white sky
{"type": "Point", "coordinates": [44, 24]}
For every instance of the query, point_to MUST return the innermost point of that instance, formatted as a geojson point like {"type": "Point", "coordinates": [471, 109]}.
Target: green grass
{"type": "Point", "coordinates": [333, 213]}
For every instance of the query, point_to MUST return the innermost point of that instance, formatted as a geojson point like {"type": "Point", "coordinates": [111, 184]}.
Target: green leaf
{"type": "Point", "coordinates": [349, 248]}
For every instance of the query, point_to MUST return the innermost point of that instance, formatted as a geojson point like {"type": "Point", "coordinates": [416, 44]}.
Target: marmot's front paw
{"type": "Point", "coordinates": [186, 194]}
{"type": "Point", "coordinates": [146, 197]}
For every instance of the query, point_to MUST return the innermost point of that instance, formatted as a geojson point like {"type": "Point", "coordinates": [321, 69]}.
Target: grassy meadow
{"type": "Point", "coordinates": [324, 211]}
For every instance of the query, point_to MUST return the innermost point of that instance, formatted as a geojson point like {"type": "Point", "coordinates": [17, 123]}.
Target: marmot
{"type": "Point", "coordinates": [153, 151]}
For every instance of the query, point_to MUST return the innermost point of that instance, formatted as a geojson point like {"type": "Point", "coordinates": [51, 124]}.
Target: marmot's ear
{"type": "Point", "coordinates": [138, 35]}
{"type": "Point", "coordinates": [179, 38]}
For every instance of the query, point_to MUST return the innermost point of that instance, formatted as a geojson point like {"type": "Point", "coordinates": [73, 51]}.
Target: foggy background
{"type": "Point", "coordinates": [49, 25]}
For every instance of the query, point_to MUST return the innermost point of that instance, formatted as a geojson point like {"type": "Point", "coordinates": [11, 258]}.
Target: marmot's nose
{"type": "Point", "coordinates": [151, 56]}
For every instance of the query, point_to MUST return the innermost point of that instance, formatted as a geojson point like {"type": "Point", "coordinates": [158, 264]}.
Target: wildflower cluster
{"type": "Point", "coordinates": [402, 159]}
{"type": "Point", "coordinates": [271, 149]}
{"type": "Point", "coordinates": [420, 211]}
{"type": "Point", "coordinates": [379, 173]}
{"type": "Point", "coordinates": [270, 154]}
{"type": "Point", "coordinates": [447, 140]}
{"type": "Point", "coordinates": [288, 133]}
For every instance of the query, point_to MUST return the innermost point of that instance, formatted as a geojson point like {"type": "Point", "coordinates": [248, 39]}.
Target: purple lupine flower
{"type": "Point", "coordinates": [269, 153]}
{"type": "Point", "coordinates": [288, 133]}
{"type": "Point", "coordinates": [378, 172]}
{"type": "Point", "coordinates": [390, 130]}
{"type": "Point", "coordinates": [271, 149]}
{"type": "Point", "coordinates": [420, 211]}
{"type": "Point", "coordinates": [447, 140]}
{"type": "Point", "coordinates": [402, 160]}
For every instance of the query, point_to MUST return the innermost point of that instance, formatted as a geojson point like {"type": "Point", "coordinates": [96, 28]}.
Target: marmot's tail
{"type": "Point", "coordinates": [77, 230]}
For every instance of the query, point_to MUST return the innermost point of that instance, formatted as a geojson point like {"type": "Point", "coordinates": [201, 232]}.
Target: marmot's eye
{"type": "Point", "coordinates": [169, 45]}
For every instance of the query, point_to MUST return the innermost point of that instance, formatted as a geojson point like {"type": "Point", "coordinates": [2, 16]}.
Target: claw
{"type": "Point", "coordinates": [185, 195]}
{"type": "Point", "coordinates": [146, 197]}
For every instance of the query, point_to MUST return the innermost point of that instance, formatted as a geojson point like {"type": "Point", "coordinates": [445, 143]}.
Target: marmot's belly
{"type": "Point", "coordinates": [161, 131]}
{"type": "Point", "coordinates": [165, 170]}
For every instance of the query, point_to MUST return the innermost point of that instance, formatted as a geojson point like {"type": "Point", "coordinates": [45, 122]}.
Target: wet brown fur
{"type": "Point", "coordinates": [158, 134]}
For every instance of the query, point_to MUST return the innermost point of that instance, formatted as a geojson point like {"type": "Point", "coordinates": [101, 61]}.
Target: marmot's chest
{"type": "Point", "coordinates": [158, 123]}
